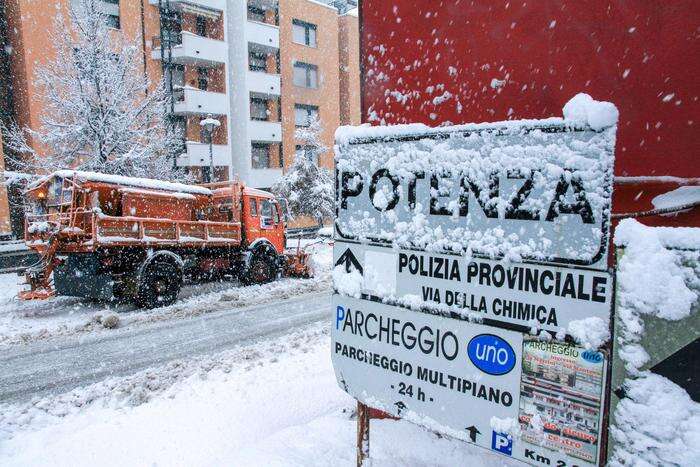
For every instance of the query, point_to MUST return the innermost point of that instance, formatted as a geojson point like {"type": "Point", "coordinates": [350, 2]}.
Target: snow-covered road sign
{"type": "Point", "coordinates": [538, 402]}
{"type": "Point", "coordinates": [455, 246]}
{"type": "Point", "coordinates": [539, 190]}
{"type": "Point", "coordinates": [520, 296]}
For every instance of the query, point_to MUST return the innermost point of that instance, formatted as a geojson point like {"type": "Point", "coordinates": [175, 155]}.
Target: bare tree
{"type": "Point", "coordinates": [100, 114]}
{"type": "Point", "coordinates": [307, 187]}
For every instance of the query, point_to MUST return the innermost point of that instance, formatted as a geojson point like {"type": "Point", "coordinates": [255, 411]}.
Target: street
{"type": "Point", "coordinates": [50, 367]}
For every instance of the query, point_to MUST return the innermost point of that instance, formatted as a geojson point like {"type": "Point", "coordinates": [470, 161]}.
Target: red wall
{"type": "Point", "coordinates": [408, 46]}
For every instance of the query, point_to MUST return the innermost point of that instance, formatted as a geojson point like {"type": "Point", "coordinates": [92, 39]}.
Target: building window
{"type": "Point", "coordinates": [201, 26]}
{"type": "Point", "coordinates": [304, 33]}
{"type": "Point", "coordinates": [258, 109]}
{"type": "Point", "coordinates": [307, 151]}
{"type": "Point", "coordinates": [110, 9]}
{"type": "Point", "coordinates": [260, 153]}
{"type": "Point", "coordinates": [305, 114]}
{"type": "Point", "coordinates": [256, 14]}
{"type": "Point", "coordinates": [305, 75]}
{"type": "Point", "coordinates": [203, 78]}
{"type": "Point", "coordinates": [257, 61]}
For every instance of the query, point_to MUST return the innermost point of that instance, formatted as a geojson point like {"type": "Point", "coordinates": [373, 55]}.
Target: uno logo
{"type": "Point", "coordinates": [592, 356]}
{"type": "Point", "coordinates": [491, 354]}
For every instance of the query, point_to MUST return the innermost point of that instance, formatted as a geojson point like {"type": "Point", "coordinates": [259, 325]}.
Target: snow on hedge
{"type": "Point", "coordinates": [656, 423]}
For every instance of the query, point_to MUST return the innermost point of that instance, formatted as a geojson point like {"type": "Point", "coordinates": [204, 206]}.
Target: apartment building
{"type": "Point", "coordinates": [260, 67]}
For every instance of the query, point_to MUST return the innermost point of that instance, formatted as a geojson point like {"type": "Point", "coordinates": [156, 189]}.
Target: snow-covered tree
{"type": "Point", "coordinates": [100, 111]}
{"type": "Point", "coordinates": [307, 187]}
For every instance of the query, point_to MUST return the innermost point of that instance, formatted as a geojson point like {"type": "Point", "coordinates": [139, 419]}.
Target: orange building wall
{"type": "Point", "coordinates": [4, 205]}
{"type": "Point", "coordinates": [29, 30]}
{"type": "Point", "coordinates": [325, 56]}
{"type": "Point", "coordinates": [349, 61]}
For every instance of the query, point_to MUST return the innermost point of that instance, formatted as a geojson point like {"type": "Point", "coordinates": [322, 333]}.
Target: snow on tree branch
{"type": "Point", "coordinates": [307, 187]}
{"type": "Point", "coordinates": [100, 113]}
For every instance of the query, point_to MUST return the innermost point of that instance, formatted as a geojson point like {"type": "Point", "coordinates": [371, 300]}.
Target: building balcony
{"type": "Point", "coordinates": [270, 132]}
{"type": "Point", "coordinates": [263, 84]}
{"type": "Point", "coordinates": [264, 178]}
{"type": "Point", "coordinates": [193, 50]}
{"type": "Point", "coordinates": [264, 35]}
{"type": "Point", "coordinates": [192, 101]}
{"type": "Point", "coordinates": [191, 6]}
{"type": "Point", "coordinates": [197, 155]}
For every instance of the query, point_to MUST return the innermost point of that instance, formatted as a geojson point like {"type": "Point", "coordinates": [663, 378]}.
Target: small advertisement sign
{"type": "Point", "coordinates": [561, 391]}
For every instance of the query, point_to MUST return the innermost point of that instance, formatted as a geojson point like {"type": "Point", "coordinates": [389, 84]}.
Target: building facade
{"type": "Point", "coordinates": [5, 228]}
{"type": "Point", "coordinates": [260, 67]}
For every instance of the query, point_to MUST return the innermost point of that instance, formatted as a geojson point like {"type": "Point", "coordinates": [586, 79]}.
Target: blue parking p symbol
{"type": "Point", "coordinates": [502, 443]}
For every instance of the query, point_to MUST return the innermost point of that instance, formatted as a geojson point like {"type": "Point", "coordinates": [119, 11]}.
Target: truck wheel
{"type": "Point", "coordinates": [159, 285]}
{"type": "Point", "coordinates": [260, 270]}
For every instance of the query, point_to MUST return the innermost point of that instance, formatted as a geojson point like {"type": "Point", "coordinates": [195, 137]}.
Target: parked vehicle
{"type": "Point", "coordinates": [120, 238]}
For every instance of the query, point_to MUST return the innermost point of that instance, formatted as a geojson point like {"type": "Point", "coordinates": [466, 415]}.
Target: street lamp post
{"type": "Point", "coordinates": [209, 124]}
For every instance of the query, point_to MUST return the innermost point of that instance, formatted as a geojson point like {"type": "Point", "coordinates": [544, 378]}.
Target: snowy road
{"type": "Point", "coordinates": [44, 368]}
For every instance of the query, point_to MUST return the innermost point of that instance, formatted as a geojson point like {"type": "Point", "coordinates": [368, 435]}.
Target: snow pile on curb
{"type": "Point", "coordinates": [657, 423]}
{"type": "Point", "coordinates": [140, 388]}
{"type": "Point", "coordinates": [276, 403]}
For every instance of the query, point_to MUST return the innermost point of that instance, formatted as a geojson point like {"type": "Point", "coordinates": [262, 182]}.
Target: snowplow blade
{"type": "Point", "coordinates": [38, 294]}
{"type": "Point", "coordinates": [296, 264]}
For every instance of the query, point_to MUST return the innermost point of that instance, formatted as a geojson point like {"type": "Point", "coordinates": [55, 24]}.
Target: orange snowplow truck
{"type": "Point", "coordinates": [120, 238]}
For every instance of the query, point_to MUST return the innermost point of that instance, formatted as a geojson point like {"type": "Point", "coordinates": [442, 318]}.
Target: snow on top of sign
{"type": "Point", "coordinates": [347, 134]}
{"type": "Point", "coordinates": [122, 180]}
{"type": "Point", "coordinates": [590, 332]}
{"type": "Point", "coordinates": [682, 196]}
{"type": "Point", "coordinates": [584, 109]}
{"type": "Point", "coordinates": [657, 423]}
{"type": "Point", "coordinates": [581, 109]}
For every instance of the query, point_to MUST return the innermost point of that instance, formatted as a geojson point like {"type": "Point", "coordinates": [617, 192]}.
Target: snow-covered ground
{"type": "Point", "coordinates": [63, 316]}
{"type": "Point", "coordinates": [275, 403]}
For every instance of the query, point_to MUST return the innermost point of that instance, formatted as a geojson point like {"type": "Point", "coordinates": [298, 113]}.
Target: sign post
{"type": "Point", "coordinates": [362, 433]}
{"type": "Point", "coordinates": [468, 262]}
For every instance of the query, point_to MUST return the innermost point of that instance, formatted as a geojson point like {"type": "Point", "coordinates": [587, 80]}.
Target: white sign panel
{"type": "Point", "coordinates": [536, 190]}
{"type": "Point", "coordinates": [521, 296]}
{"type": "Point", "coordinates": [533, 401]}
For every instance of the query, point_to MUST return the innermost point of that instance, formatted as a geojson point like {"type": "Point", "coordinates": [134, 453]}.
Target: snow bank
{"type": "Point", "coordinates": [656, 423]}
{"type": "Point", "coordinates": [275, 403]}
{"type": "Point", "coordinates": [651, 277]}
{"type": "Point", "coordinates": [582, 108]}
